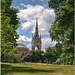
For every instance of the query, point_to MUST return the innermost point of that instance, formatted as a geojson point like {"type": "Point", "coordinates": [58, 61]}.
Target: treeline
{"type": "Point", "coordinates": [50, 55]}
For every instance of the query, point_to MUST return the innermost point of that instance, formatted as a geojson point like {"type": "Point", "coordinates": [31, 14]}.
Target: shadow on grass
{"type": "Point", "coordinates": [5, 69]}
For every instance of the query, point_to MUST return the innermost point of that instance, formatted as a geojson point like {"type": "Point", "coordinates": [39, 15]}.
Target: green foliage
{"type": "Point", "coordinates": [63, 25]}
{"type": "Point", "coordinates": [14, 50]}
{"type": "Point", "coordinates": [50, 55]}
{"type": "Point", "coordinates": [13, 57]}
{"type": "Point", "coordinates": [29, 56]}
{"type": "Point", "coordinates": [62, 29]}
{"type": "Point", "coordinates": [68, 55]}
{"type": "Point", "coordinates": [33, 56]}
{"type": "Point", "coordinates": [39, 55]}
{"type": "Point", "coordinates": [58, 49]}
{"type": "Point", "coordinates": [9, 24]}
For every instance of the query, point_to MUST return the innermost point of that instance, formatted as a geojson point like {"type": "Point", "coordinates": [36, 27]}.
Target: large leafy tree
{"type": "Point", "coordinates": [33, 56]}
{"type": "Point", "coordinates": [62, 29]}
{"type": "Point", "coordinates": [9, 24]}
{"type": "Point", "coordinates": [39, 55]}
{"type": "Point", "coordinates": [50, 54]}
{"type": "Point", "coordinates": [29, 56]}
{"type": "Point", "coordinates": [58, 49]}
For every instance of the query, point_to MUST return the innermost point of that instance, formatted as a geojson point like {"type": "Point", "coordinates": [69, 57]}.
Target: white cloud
{"type": "Point", "coordinates": [46, 42]}
{"type": "Point", "coordinates": [27, 42]}
{"type": "Point", "coordinates": [28, 24]}
{"type": "Point", "coordinates": [30, 13]}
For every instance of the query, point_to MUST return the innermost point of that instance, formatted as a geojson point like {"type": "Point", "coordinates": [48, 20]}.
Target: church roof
{"type": "Point", "coordinates": [21, 46]}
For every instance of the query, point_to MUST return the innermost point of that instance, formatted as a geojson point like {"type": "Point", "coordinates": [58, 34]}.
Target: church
{"type": "Point", "coordinates": [36, 39]}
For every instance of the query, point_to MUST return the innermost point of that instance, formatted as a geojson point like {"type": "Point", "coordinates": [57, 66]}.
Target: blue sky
{"type": "Point", "coordinates": [29, 10]}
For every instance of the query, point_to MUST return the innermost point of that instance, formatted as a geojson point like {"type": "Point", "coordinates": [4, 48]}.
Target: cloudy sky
{"type": "Point", "coordinates": [29, 10]}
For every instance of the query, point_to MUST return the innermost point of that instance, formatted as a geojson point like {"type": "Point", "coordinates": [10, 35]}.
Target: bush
{"type": "Point", "coordinates": [13, 57]}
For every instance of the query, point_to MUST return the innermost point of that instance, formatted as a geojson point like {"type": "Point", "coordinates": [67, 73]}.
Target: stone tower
{"type": "Point", "coordinates": [36, 40]}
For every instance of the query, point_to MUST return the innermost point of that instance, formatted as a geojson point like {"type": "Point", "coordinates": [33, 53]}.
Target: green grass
{"type": "Point", "coordinates": [36, 69]}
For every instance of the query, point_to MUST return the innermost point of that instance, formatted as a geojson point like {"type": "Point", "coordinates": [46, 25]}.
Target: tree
{"type": "Point", "coordinates": [9, 24]}
{"type": "Point", "coordinates": [33, 56]}
{"type": "Point", "coordinates": [39, 55]}
{"type": "Point", "coordinates": [30, 56]}
{"type": "Point", "coordinates": [50, 55]}
{"type": "Point", "coordinates": [62, 29]}
{"type": "Point", "coordinates": [13, 57]}
{"type": "Point", "coordinates": [58, 49]}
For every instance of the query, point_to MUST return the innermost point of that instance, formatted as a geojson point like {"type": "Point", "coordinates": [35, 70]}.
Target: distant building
{"type": "Point", "coordinates": [36, 40]}
{"type": "Point", "coordinates": [21, 48]}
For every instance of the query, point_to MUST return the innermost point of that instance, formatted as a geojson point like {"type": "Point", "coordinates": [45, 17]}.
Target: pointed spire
{"type": "Point", "coordinates": [40, 35]}
{"type": "Point", "coordinates": [36, 25]}
{"type": "Point", "coordinates": [36, 30]}
{"type": "Point", "coordinates": [32, 36]}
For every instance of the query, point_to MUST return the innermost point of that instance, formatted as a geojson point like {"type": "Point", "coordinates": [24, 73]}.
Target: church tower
{"type": "Point", "coordinates": [36, 40]}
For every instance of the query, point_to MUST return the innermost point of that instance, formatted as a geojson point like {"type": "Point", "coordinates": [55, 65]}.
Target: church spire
{"type": "Point", "coordinates": [36, 30]}
{"type": "Point", "coordinates": [36, 39]}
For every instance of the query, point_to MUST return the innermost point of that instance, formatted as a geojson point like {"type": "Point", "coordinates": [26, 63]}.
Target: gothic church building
{"type": "Point", "coordinates": [36, 39]}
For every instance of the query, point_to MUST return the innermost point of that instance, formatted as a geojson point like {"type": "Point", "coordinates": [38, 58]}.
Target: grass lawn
{"type": "Point", "coordinates": [36, 69]}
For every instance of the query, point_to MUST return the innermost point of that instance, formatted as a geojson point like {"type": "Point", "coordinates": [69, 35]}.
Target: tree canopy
{"type": "Point", "coordinates": [9, 24]}
{"type": "Point", "coordinates": [62, 29]}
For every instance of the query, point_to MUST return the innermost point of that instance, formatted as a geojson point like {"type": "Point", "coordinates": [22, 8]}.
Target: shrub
{"type": "Point", "coordinates": [13, 57]}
